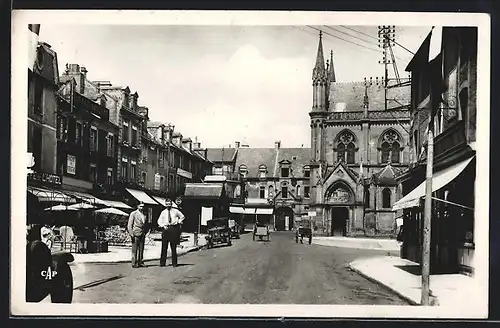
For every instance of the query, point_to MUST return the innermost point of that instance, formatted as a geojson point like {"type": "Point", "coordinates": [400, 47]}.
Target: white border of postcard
{"type": "Point", "coordinates": [477, 308]}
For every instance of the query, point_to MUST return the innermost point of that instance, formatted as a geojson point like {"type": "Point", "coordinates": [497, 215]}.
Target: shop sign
{"type": "Point", "coordinates": [70, 164]}
{"type": "Point", "coordinates": [157, 181]}
{"type": "Point", "coordinates": [311, 213]}
{"type": "Point", "coordinates": [45, 178]}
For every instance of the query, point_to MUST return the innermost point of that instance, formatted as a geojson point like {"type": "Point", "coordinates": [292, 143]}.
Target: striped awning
{"type": "Point", "coordinates": [88, 198]}
{"type": "Point", "coordinates": [117, 204]}
{"type": "Point", "coordinates": [141, 196]}
{"type": "Point", "coordinates": [51, 195]}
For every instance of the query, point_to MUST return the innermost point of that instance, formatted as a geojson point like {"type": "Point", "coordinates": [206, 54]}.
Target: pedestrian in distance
{"type": "Point", "coordinates": [170, 222]}
{"type": "Point", "coordinates": [137, 228]}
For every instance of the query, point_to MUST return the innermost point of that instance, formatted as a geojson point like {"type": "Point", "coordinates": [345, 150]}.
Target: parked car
{"type": "Point", "coordinates": [47, 273]}
{"type": "Point", "coordinates": [218, 232]}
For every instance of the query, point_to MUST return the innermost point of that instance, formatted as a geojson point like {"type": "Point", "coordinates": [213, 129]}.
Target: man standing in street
{"type": "Point", "coordinates": [170, 221]}
{"type": "Point", "coordinates": [137, 229]}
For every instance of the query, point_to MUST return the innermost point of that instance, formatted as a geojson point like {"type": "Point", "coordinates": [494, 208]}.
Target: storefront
{"type": "Point", "coordinates": [452, 223]}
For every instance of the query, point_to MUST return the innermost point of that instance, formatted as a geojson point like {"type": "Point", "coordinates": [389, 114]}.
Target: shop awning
{"type": "Point", "coordinates": [117, 204]}
{"type": "Point", "coordinates": [50, 195]}
{"type": "Point", "coordinates": [439, 180]}
{"type": "Point", "coordinates": [264, 211]}
{"type": "Point", "coordinates": [88, 198]}
{"type": "Point", "coordinates": [141, 196]}
{"type": "Point", "coordinates": [249, 210]}
{"type": "Point", "coordinates": [236, 210]}
{"type": "Point", "coordinates": [162, 200]}
{"type": "Point", "coordinates": [203, 190]}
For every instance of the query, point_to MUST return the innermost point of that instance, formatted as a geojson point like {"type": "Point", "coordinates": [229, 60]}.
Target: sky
{"type": "Point", "coordinates": [222, 84]}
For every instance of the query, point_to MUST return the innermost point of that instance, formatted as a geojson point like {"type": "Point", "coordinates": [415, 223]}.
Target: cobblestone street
{"type": "Point", "coordinates": [275, 272]}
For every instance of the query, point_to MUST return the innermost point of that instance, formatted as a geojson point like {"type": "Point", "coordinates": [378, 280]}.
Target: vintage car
{"type": "Point", "coordinates": [47, 273]}
{"type": "Point", "coordinates": [261, 230]}
{"type": "Point", "coordinates": [218, 232]}
{"type": "Point", "coordinates": [235, 230]}
{"type": "Point", "coordinates": [303, 231]}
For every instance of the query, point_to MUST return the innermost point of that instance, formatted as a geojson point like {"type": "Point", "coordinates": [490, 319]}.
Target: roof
{"type": "Point", "coordinates": [203, 190]}
{"type": "Point", "coordinates": [352, 95]}
{"type": "Point", "coordinates": [253, 158]}
{"type": "Point", "coordinates": [387, 175]}
{"type": "Point", "coordinates": [302, 157]}
{"type": "Point", "coordinates": [221, 154]}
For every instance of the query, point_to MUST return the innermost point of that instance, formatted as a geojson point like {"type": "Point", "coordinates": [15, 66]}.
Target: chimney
{"type": "Point", "coordinates": [84, 71]}
{"type": "Point", "coordinates": [133, 101]}
{"type": "Point", "coordinates": [277, 144]}
{"type": "Point", "coordinates": [236, 144]}
{"type": "Point", "coordinates": [73, 68]}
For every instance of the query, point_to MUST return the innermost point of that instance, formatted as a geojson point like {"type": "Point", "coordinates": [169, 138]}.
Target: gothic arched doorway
{"type": "Point", "coordinates": [340, 197]}
{"type": "Point", "coordinates": [340, 217]}
{"type": "Point", "coordinates": [284, 217]}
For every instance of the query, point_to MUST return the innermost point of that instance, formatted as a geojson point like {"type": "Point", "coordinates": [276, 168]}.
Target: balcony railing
{"type": "Point", "coordinates": [372, 115]}
{"type": "Point", "coordinates": [449, 140]}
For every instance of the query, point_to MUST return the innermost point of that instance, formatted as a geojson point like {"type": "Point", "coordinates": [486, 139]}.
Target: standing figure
{"type": "Point", "coordinates": [137, 229]}
{"type": "Point", "coordinates": [170, 221]}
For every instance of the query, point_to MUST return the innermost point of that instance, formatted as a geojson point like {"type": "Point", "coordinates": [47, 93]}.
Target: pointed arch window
{"type": "Point", "coordinates": [386, 198]}
{"type": "Point", "coordinates": [367, 198]}
{"type": "Point", "coordinates": [390, 147]}
{"type": "Point", "coordinates": [346, 147]}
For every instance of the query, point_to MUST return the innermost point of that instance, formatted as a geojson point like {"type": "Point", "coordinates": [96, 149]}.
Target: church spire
{"type": "Point", "coordinates": [319, 71]}
{"type": "Point", "coordinates": [365, 98]}
{"type": "Point", "coordinates": [331, 69]}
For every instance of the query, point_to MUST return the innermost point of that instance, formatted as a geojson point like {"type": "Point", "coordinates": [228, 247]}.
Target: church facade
{"type": "Point", "coordinates": [358, 147]}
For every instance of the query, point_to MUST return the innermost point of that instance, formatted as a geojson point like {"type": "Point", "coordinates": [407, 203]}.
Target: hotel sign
{"type": "Point", "coordinates": [45, 178]}
{"type": "Point", "coordinates": [184, 174]}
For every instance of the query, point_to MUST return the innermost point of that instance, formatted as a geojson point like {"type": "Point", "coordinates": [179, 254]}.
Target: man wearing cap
{"type": "Point", "coordinates": [137, 229]}
{"type": "Point", "coordinates": [170, 221]}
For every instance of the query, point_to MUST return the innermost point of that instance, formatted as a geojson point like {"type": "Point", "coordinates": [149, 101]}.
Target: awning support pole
{"type": "Point", "coordinates": [426, 245]}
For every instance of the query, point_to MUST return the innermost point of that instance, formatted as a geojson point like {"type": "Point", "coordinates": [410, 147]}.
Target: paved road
{"type": "Point", "coordinates": [275, 272]}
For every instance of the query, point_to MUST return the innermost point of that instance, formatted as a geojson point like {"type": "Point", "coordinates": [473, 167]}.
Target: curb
{"type": "Point", "coordinates": [402, 296]}
{"type": "Point", "coordinates": [357, 247]}
{"type": "Point", "coordinates": [197, 248]}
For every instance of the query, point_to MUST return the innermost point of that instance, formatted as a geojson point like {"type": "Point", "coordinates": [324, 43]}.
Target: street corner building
{"type": "Point", "coordinates": [359, 144]}
{"type": "Point", "coordinates": [444, 74]}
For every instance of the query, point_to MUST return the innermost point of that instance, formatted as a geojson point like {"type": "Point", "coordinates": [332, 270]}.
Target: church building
{"type": "Point", "coordinates": [359, 144]}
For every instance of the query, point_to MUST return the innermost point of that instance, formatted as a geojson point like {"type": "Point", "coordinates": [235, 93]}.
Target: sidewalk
{"type": "Point", "coordinates": [358, 243]}
{"type": "Point", "coordinates": [122, 254]}
{"type": "Point", "coordinates": [450, 290]}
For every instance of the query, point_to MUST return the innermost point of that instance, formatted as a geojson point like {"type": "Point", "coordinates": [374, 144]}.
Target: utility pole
{"type": "Point", "coordinates": [386, 36]}
{"type": "Point", "coordinates": [426, 245]}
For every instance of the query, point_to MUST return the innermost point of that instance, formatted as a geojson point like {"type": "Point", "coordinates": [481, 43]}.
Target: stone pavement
{"type": "Point", "coordinates": [358, 243]}
{"type": "Point", "coordinates": [122, 254]}
{"type": "Point", "coordinates": [449, 290]}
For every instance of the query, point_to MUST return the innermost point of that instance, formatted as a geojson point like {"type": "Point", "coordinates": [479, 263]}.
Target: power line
{"type": "Point", "coordinates": [353, 36]}
{"type": "Point", "coordinates": [376, 38]}
{"type": "Point", "coordinates": [368, 35]}
{"type": "Point", "coordinates": [334, 36]}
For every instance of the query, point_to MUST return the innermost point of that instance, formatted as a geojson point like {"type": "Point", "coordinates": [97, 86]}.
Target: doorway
{"type": "Point", "coordinates": [284, 217]}
{"type": "Point", "coordinates": [340, 217]}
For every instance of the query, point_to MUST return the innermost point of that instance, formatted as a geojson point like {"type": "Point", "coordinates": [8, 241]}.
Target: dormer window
{"type": "Point", "coordinates": [307, 172]}
{"type": "Point", "coordinates": [285, 172]}
{"type": "Point", "coordinates": [262, 171]}
{"type": "Point", "coordinates": [243, 170]}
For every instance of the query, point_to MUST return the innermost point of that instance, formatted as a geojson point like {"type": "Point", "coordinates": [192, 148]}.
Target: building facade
{"type": "Point", "coordinates": [224, 160]}
{"type": "Point", "coordinates": [359, 144]}
{"type": "Point", "coordinates": [453, 104]}
{"type": "Point", "coordinates": [86, 139]}
{"type": "Point", "coordinates": [43, 79]}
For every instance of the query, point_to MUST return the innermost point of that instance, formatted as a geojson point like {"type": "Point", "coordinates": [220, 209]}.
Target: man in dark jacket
{"type": "Point", "coordinates": [137, 229]}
